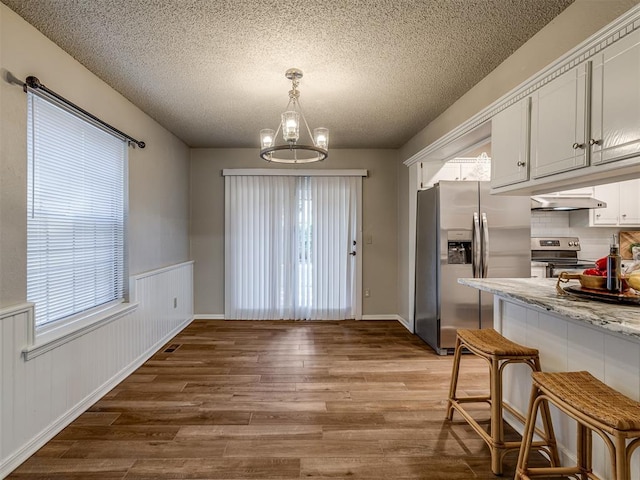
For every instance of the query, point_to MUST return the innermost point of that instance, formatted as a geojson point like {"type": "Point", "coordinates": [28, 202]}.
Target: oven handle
{"type": "Point", "coordinates": [554, 270]}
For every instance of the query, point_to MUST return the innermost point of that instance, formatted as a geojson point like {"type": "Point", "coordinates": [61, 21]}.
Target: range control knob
{"type": "Point", "coordinates": [571, 243]}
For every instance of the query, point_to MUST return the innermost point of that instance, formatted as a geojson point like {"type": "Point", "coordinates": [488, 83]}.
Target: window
{"type": "Point", "coordinates": [76, 211]}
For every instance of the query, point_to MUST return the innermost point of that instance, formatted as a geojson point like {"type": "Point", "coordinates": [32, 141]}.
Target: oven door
{"type": "Point", "coordinates": [554, 269]}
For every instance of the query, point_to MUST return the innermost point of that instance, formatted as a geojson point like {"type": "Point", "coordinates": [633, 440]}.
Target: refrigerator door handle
{"type": "Point", "coordinates": [485, 245]}
{"type": "Point", "coordinates": [475, 243]}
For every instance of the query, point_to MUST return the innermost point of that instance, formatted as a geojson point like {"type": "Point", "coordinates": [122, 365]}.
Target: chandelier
{"type": "Point", "coordinates": [293, 150]}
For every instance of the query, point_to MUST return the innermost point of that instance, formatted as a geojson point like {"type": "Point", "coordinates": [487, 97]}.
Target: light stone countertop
{"type": "Point", "coordinates": [541, 293]}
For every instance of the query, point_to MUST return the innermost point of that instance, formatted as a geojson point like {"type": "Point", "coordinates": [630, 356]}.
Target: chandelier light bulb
{"type": "Point", "coordinates": [321, 137]}
{"type": "Point", "coordinates": [267, 136]}
{"type": "Point", "coordinates": [290, 126]}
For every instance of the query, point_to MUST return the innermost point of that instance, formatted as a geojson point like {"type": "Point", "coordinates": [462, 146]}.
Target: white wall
{"type": "Point", "coordinates": [39, 396]}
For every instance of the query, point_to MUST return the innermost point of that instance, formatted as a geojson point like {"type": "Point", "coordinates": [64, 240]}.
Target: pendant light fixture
{"type": "Point", "coordinates": [293, 150]}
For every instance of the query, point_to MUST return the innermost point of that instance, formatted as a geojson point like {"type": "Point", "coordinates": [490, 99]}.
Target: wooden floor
{"type": "Point", "coordinates": [285, 400]}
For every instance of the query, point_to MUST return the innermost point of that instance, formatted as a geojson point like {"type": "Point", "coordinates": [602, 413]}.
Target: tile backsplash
{"type": "Point", "coordinates": [594, 241]}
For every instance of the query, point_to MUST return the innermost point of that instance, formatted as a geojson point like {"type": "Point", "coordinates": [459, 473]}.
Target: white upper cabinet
{"type": "Point", "coordinates": [510, 144]}
{"type": "Point", "coordinates": [607, 216]}
{"type": "Point", "coordinates": [584, 124]}
{"type": "Point", "coordinates": [630, 202]}
{"type": "Point", "coordinates": [559, 127]}
{"type": "Point", "coordinates": [623, 204]}
{"type": "Point", "coordinates": [615, 119]}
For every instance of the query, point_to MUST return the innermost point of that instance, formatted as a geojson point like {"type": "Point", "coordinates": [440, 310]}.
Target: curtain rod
{"type": "Point", "coordinates": [33, 83]}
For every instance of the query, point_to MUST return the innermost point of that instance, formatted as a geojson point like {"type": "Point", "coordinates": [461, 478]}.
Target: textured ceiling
{"type": "Point", "coordinates": [376, 72]}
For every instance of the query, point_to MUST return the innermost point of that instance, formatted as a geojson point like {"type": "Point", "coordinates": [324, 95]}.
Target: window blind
{"type": "Point", "coordinates": [76, 210]}
{"type": "Point", "coordinates": [287, 245]}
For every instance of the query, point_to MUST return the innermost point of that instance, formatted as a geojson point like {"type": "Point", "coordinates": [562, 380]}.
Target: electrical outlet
{"type": "Point", "coordinates": [175, 302]}
{"type": "Point", "coordinates": [367, 293]}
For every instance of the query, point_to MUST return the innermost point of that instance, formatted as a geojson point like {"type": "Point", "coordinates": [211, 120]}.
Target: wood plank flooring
{"type": "Point", "coordinates": [277, 400]}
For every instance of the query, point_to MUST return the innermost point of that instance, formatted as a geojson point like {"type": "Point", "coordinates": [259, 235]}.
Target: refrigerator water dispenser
{"type": "Point", "coordinates": [459, 252]}
{"type": "Point", "coordinates": [459, 247]}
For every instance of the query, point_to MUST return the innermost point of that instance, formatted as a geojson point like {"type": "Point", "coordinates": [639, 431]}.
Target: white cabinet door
{"type": "Point", "coordinates": [558, 124]}
{"type": "Point", "coordinates": [609, 215]}
{"type": "Point", "coordinates": [510, 144]}
{"type": "Point", "coordinates": [615, 115]}
{"type": "Point", "coordinates": [630, 202]}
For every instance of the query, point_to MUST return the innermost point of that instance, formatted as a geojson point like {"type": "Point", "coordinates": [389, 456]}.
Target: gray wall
{"type": "Point", "coordinates": [379, 220]}
{"type": "Point", "coordinates": [158, 175]}
{"type": "Point", "coordinates": [404, 193]}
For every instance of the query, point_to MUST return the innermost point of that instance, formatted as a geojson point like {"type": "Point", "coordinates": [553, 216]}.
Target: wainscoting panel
{"type": "Point", "coordinates": [40, 396]}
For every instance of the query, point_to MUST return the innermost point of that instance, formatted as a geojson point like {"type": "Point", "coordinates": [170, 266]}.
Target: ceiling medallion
{"type": "Point", "coordinates": [292, 151]}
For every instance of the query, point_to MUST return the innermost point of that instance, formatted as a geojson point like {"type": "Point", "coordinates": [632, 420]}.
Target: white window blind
{"type": "Point", "coordinates": [287, 247]}
{"type": "Point", "coordinates": [75, 217]}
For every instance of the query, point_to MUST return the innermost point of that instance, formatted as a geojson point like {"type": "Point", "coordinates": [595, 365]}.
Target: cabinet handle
{"type": "Point", "coordinates": [624, 215]}
{"type": "Point", "coordinates": [597, 215]}
{"type": "Point", "coordinates": [595, 142]}
{"type": "Point", "coordinates": [576, 146]}
{"type": "Point", "coordinates": [521, 164]}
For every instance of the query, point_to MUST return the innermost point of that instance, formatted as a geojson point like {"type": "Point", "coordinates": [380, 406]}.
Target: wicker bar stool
{"type": "Point", "coordinates": [597, 408]}
{"type": "Point", "coordinates": [499, 352]}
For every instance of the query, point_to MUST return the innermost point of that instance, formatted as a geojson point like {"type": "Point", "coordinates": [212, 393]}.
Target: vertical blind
{"type": "Point", "coordinates": [75, 217]}
{"type": "Point", "coordinates": [287, 245]}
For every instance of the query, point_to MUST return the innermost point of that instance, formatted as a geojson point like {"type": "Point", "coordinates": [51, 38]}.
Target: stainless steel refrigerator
{"type": "Point", "coordinates": [462, 232]}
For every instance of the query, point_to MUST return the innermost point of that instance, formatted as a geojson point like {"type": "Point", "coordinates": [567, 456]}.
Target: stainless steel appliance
{"type": "Point", "coordinates": [463, 232]}
{"type": "Point", "coordinates": [559, 254]}
{"type": "Point", "coordinates": [565, 203]}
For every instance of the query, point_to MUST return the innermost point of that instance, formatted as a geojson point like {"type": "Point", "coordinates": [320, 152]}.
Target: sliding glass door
{"type": "Point", "coordinates": [290, 247]}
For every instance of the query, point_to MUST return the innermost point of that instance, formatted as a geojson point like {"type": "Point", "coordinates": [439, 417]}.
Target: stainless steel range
{"type": "Point", "coordinates": [559, 254]}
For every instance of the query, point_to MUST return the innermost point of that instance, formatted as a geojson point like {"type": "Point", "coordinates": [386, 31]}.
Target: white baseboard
{"type": "Point", "coordinates": [405, 323]}
{"type": "Point", "coordinates": [385, 316]}
{"type": "Point", "coordinates": [215, 316]}
{"type": "Point", "coordinates": [12, 462]}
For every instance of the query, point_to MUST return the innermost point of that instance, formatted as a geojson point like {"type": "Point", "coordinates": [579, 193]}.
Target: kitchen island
{"type": "Point", "coordinates": [571, 334]}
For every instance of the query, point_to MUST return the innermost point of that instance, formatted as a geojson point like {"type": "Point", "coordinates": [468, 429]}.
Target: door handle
{"type": "Point", "coordinates": [352, 254]}
{"type": "Point", "coordinates": [475, 242]}
{"type": "Point", "coordinates": [485, 245]}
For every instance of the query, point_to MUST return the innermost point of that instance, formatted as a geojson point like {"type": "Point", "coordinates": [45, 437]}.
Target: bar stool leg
{"type": "Point", "coordinates": [497, 429]}
{"type": "Point", "coordinates": [583, 449]}
{"type": "Point", "coordinates": [622, 462]}
{"type": "Point", "coordinates": [527, 436]}
{"type": "Point", "coordinates": [548, 425]}
{"type": "Point", "coordinates": [454, 378]}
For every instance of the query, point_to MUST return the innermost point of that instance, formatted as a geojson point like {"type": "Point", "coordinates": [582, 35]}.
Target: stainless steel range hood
{"type": "Point", "coordinates": [550, 203]}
